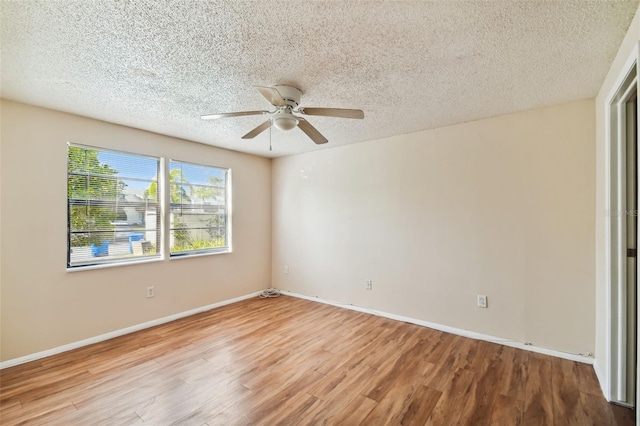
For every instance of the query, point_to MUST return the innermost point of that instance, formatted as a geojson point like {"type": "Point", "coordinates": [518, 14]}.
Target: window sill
{"type": "Point", "coordinates": [113, 265]}
{"type": "Point", "coordinates": [191, 255]}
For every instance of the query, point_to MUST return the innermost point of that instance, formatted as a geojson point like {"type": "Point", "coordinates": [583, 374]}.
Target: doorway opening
{"type": "Point", "coordinates": [623, 240]}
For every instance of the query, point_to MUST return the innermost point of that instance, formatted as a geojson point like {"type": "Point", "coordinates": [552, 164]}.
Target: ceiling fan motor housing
{"type": "Point", "coordinates": [284, 119]}
{"type": "Point", "coordinates": [291, 95]}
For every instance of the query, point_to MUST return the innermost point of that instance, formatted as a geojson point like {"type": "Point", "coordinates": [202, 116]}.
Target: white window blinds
{"type": "Point", "coordinates": [113, 206]}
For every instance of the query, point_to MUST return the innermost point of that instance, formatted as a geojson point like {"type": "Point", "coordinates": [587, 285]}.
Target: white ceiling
{"type": "Point", "coordinates": [411, 65]}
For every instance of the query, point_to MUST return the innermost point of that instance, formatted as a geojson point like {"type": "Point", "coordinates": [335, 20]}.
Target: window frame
{"type": "Point", "coordinates": [227, 248]}
{"type": "Point", "coordinates": [97, 262]}
{"type": "Point", "coordinates": [163, 212]}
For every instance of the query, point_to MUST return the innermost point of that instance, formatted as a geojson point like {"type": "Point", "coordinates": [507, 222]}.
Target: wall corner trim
{"type": "Point", "coordinates": [448, 329]}
{"type": "Point", "coordinates": [600, 378]}
{"type": "Point", "coordinates": [121, 332]}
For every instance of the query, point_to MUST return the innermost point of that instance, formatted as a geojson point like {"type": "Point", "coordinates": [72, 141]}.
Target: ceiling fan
{"type": "Point", "coordinates": [288, 114]}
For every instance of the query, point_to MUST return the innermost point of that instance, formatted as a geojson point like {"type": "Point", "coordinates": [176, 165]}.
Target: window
{"type": "Point", "coordinates": [199, 219]}
{"type": "Point", "coordinates": [113, 208]}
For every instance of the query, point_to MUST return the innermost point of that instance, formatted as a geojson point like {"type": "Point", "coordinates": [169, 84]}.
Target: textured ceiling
{"type": "Point", "coordinates": [412, 65]}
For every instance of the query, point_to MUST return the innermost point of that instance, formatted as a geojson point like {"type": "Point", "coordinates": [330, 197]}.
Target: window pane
{"type": "Point", "coordinates": [113, 214]}
{"type": "Point", "coordinates": [199, 207]}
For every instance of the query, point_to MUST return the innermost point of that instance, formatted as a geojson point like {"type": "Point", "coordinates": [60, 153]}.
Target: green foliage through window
{"type": "Point", "coordinates": [89, 180]}
{"type": "Point", "coordinates": [198, 208]}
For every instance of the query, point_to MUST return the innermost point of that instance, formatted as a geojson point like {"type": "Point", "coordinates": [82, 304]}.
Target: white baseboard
{"type": "Point", "coordinates": [148, 324]}
{"type": "Point", "coordinates": [602, 382]}
{"type": "Point", "coordinates": [123, 331]}
{"type": "Point", "coordinates": [452, 330]}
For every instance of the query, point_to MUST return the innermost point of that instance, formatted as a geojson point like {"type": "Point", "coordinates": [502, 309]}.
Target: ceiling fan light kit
{"type": "Point", "coordinates": [287, 114]}
{"type": "Point", "coordinates": [284, 121]}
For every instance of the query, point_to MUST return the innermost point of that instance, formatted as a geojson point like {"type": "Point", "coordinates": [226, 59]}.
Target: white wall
{"type": "Point", "coordinates": [44, 306]}
{"type": "Point", "coordinates": [629, 43]}
{"type": "Point", "coordinates": [501, 207]}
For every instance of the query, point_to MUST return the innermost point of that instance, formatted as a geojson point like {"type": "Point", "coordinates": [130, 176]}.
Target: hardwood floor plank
{"type": "Point", "coordinates": [420, 406]}
{"type": "Point", "coordinates": [223, 419]}
{"type": "Point", "coordinates": [39, 413]}
{"type": "Point", "coordinates": [506, 411]}
{"type": "Point", "coordinates": [538, 403]}
{"type": "Point", "coordinates": [386, 352]}
{"type": "Point", "coordinates": [291, 412]}
{"type": "Point", "coordinates": [48, 377]}
{"type": "Point", "coordinates": [440, 347]}
{"type": "Point", "coordinates": [567, 406]}
{"type": "Point", "coordinates": [361, 348]}
{"type": "Point", "coordinates": [10, 405]}
{"type": "Point", "coordinates": [295, 362]}
{"type": "Point", "coordinates": [587, 380]}
{"type": "Point", "coordinates": [390, 409]}
{"type": "Point", "coordinates": [389, 376]}
{"type": "Point", "coordinates": [8, 376]}
{"type": "Point", "coordinates": [103, 416]}
{"type": "Point", "coordinates": [125, 391]}
{"type": "Point", "coordinates": [514, 374]}
{"type": "Point", "coordinates": [345, 384]}
{"type": "Point", "coordinates": [483, 392]}
{"type": "Point", "coordinates": [337, 396]}
{"type": "Point", "coordinates": [210, 411]}
{"type": "Point", "coordinates": [35, 390]}
{"type": "Point", "coordinates": [598, 411]}
{"type": "Point", "coordinates": [397, 395]}
{"type": "Point", "coordinates": [282, 395]}
{"type": "Point", "coordinates": [300, 411]}
{"type": "Point", "coordinates": [353, 412]}
{"type": "Point", "coordinates": [441, 376]}
{"type": "Point", "coordinates": [447, 411]}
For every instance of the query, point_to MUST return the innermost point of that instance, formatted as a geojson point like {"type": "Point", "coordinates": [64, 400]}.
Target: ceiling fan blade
{"type": "Point", "coordinates": [312, 132]}
{"type": "Point", "coordinates": [255, 132]}
{"type": "Point", "coordinates": [333, 112]}
{"type": "Point", "coordinates": [232, 114]}
{"type": "Point", "coordinates": [272, 95]}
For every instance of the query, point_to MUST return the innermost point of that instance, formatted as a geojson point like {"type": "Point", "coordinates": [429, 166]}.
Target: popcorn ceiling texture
{"type": "Point", "coordinates": [411, 66]}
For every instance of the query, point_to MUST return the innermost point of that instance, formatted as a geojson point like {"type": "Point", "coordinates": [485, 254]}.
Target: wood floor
{"type": "Point", "coordinates": [287, 361]}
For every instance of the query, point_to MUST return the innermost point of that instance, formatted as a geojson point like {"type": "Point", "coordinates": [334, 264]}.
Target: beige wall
{"type": "Point", "coordinates": [501, 207]}
{"type": "Point", "coordinates": [43, 305]}
{"type": "Point", "coordinates": [628, 45]}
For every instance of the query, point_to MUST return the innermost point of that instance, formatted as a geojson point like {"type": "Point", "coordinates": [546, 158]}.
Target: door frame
{"type": "Point", "coordinates": [615, 229]}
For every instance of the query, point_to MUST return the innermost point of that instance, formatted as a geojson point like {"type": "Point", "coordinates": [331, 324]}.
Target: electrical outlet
{"type": "Point", "coordinates": [368, 285]}
{"type": "Point", "coordinates": [286, 270]}
{"type": "Point", "coordinates": [151, 291]}
{"type": "Point", "coordinates": [482, 301]}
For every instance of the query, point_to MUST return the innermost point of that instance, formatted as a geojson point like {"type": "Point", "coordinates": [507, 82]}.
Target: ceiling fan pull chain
{"type": "Point", "coordinates": [270, 148]}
